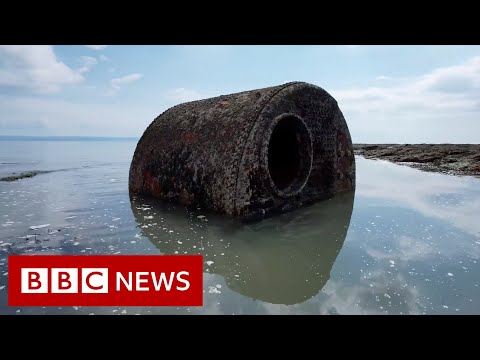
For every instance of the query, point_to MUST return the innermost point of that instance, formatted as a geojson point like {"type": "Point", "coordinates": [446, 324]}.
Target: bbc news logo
{"type": "Point", "coordinates": [64, 280]}
{"type": "Point", "coordinates": [123, 280]}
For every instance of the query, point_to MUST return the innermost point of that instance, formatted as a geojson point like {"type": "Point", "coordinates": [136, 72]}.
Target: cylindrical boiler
{"type": "Point", "coordinates": [248, 154]}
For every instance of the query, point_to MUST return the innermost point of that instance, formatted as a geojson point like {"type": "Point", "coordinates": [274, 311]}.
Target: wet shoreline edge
{"type": "Point", "coordinates": [450, 159]}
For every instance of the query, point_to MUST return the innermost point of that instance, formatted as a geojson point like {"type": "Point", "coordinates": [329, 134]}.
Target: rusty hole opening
{"type": "Point", "coordinates": [289, 155]}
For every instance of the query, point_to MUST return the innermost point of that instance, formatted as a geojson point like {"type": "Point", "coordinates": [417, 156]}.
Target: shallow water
{"type": "Point", "coordinates": [406, 242]}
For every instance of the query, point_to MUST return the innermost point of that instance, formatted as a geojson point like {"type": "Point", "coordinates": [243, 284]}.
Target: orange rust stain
{"type": "Point", "coordinates": [189, 137]}
{"type": "Point", "coordinates": [152, 184]}
{"type": "Point", "coordinates": [185, 198]}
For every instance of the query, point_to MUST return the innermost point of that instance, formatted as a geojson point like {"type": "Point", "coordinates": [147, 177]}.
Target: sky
{"type": "Point", "coordinates": [388, 94]}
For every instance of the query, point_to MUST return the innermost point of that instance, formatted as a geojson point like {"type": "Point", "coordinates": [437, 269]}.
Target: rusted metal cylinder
{"type": "Point", "coordinates": [247, 154]}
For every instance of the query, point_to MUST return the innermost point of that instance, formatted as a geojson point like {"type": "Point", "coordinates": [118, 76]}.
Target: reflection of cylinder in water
{"type": "Point", "coordinates": [281, 260]}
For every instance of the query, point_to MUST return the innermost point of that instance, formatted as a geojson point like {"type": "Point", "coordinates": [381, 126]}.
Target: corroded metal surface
{"type": "Point", "coordinates": [225, 153]}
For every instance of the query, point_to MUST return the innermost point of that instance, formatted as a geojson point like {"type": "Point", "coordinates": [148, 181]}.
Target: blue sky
{"type": "Point", "coordinates": [406, 94]}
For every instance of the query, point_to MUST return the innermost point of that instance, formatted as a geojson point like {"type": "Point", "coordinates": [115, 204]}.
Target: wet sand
{"type": "Point", "coordinates": [453, 159]}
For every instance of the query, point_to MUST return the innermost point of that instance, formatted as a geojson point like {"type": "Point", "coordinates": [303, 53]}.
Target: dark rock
{"type": "Point", "coordinates": [456, 159]}
{"type": "Point", "coordinates": [24, 175]}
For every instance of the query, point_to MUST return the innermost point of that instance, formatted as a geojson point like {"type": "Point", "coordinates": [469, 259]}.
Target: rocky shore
{"type": "Point", "coordinates": [453, 159]}
{"type": "Point", "coordinates": [24, 175]}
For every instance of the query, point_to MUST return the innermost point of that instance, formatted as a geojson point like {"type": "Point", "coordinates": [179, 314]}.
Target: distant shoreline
{"type": "Point", "coordinates": [357, 146]}
{"type": "Point", "coordinates": [452, 159]}
{"type": "Point", "coordinates": [65, 138]}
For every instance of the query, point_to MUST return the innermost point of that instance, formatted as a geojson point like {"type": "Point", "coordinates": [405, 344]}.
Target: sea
{"type": "Point", "coordinates": [404, 242]}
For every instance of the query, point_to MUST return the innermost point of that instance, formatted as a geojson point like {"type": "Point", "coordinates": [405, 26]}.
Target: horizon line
{"type": "Point", "coordinates": [65, 137]}
{"type": "Point", "coordinates": [131, 138]}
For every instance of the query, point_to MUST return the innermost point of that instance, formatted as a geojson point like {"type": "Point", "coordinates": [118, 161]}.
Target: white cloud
{"type": "Point", "coordinates": [352, 46]}
{"type": "Point", "coordinates": [88, 63]}
{"type": "Point", "coordinates": [127, 79]}
{"type": "Point", "coordinates": [48, 116]}
{"type": "Point", "coordinates": [96, 47]}
{"type": "Point", "coordinates": [404, 249]}
{"type": "Point", "coordinates": [103, 58]}
{"type": "Point", "coordinates": [414, 189]}
{"type": "Point", "coordinates": [117, 83]}
{"type": "Point", "coordinates": [461, 78]}
{"type": "Point", "coordinates": [181, 95]}
{"type": "Point", "coordinates": [22, 115]}
{"type": "Point", "coordinates": [366, 296]}
{"type": "Point", "coordinates": [383, 77]}
{"type": "Point", "coordinates": [343, 298]}
{"type": "Point", "coordinates": [440, 106]}
{"type": "Point", "coordinates": [35, 67]}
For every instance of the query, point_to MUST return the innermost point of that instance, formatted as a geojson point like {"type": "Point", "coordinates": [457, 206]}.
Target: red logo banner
{"type": "Point", "coordinates": [110, 280]}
